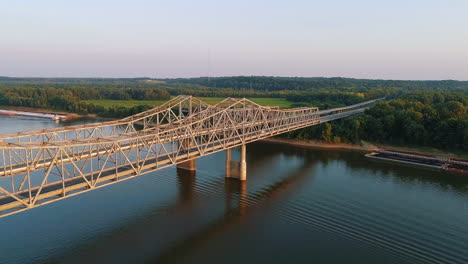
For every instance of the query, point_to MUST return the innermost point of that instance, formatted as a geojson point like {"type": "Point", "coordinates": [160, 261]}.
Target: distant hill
{"type": "Point", "coordinates": [261, 83]}
{"type": "Point", "coordinates": [256, 83]}
{"type": "Point", "coordinates": [39, 80]}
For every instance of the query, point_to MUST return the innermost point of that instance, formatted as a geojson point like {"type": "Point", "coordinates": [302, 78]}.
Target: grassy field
{"type": "Point", "coordinates": [281, 102]}
{"type": "Point", "coordinates": [126, 103]}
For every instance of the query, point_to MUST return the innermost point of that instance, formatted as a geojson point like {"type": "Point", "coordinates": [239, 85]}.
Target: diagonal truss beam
{"type": "Point", "coordinates": [42, 166]}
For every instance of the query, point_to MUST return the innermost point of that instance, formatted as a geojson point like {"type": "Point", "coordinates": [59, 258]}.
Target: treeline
{"type": "Point", "coordinates": [86, 92]}
{"type": "Point", "coordinates": [64, 100]}
{"type": "Point", "coordinates": [67, 97]}
{"type": "Point", "coordinates": [325, 99]}
{"type": "Point", "coordinates": [419, 113]}
{"type": "Point", "coordinates": [67, 94]}
{"type": "Point", "coordinates": [263, 83]}
{"type": "Point", "coordinates": [435, 119]}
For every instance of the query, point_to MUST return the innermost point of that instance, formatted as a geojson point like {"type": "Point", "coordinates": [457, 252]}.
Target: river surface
{"type": "Point", "coordinates": [298, 205]}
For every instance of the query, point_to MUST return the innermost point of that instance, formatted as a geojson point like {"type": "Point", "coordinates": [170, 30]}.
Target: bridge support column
{"type": "Point", "coordinates": [184, 146]}
{"type": "Point", "coordinates": [188, 165]}
{"type": "Point", "coordinates": [228, 163]}
{"type": "Point", "coordinates": [236, 169]}
{"type": "Point", "coordinates": [243, 164]}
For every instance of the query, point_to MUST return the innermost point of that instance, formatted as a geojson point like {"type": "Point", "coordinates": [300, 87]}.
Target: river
{"type": "Point", "coordinates": [298, 205]}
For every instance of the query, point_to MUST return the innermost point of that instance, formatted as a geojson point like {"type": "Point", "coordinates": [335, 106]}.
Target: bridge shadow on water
{"type": "Point", "coordinates": [238, 206]}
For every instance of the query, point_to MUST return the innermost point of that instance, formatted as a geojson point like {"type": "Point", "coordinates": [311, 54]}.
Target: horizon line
{"type": "Point", "coordinates": [234, 76]}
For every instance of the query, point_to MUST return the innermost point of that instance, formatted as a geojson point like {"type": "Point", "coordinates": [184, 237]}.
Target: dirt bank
{"type": "Point", "coordinates": [316, 144]}
{"type": "Point", "coordinates": [365, 146]}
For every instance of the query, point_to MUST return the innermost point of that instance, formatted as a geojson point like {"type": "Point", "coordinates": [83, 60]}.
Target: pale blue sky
{"type": "Point", "coordinates": [394, 39]}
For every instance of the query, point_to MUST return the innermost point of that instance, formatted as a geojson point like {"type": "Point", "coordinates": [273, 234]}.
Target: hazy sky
{"type": "Point", "coordinates": [393, 39]}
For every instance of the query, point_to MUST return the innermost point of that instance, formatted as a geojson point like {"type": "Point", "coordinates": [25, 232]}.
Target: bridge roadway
{"type": "Point", "coordinates": [25, 198]}
{"type": "Point", "coordinates": [349, 107]}
{"type": "Point", "coordinates": [328, 117]}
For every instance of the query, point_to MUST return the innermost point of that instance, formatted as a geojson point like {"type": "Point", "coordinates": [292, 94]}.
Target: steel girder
{"type": "Point", "coordinates": [42, 166]}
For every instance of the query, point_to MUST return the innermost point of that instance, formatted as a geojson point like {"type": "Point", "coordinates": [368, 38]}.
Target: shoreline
{"type": "Point", "coordinates": [365, 147]}
{"type": "Point", "coordinates": [322, 145]}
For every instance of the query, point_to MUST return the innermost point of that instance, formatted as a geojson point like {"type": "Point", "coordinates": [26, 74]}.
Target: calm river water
{"type": "Point", "coordinates": [298, 205]}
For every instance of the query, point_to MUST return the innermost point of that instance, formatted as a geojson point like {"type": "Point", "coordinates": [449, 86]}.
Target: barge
{"type": "Point", "coordinates": [419, 159]}
{"type": "Point", "coordinates": [31, 114]}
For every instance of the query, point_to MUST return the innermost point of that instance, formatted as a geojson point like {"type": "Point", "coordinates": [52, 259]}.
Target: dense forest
{"type": "Point", "coordinates": [435, 118]}
{"type": "Point", "coordinates": [261, 83]}
{"type": "Point", "coordinates": [419, 113]}
{"type": "Point", "coordinates": [66, 94]}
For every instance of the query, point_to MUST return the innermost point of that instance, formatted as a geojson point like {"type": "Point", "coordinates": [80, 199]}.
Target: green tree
{"type": "Point", "coordinates": [327, 133]}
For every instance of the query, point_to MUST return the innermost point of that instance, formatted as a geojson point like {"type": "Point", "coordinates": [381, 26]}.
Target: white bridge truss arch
{"type": "Point", "coordinates": [43, 166]}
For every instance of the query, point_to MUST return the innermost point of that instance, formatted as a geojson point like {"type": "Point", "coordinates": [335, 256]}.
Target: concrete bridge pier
{"type": "Point", "coordinates": [186, 145]}
{"type": "Point", "coordinates": [190, 165]}
{"type": "Point", "coordinates": [236, 169]}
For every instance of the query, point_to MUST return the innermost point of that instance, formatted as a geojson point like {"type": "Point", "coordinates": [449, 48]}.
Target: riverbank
{"type": "Point", "coordinates": [317, 144]}
{"type": "Point", "coordinates": [37, 112]}
{"type": "Point", "coordinates": [365, 146]}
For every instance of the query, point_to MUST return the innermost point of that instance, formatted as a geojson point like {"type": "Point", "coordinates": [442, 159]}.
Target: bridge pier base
{"type": "Point", "coordinates": [190, 165]}
{"type": "Point", "coordinates": [236, 169]}
{"type": "Point", "coordinates": [185, 145]}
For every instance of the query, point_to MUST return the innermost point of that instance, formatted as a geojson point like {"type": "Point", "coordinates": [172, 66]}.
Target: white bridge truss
{"type": "Point", "coordinates": [42, 166]}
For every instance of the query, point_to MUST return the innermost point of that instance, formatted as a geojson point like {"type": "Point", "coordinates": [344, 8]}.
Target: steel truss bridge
{"type": "Point", "coordinates": [42, 166]}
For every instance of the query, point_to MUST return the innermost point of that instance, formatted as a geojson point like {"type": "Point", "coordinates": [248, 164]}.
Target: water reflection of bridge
{"type": "Point", "coordinates": [42, 166]}
{"type": "Point", "coordinates": [193, 218]}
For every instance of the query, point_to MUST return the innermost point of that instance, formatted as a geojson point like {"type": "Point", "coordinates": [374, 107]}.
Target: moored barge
{"type": "Point", "coordinates": [33, 114]}
{"type": "Point", "coordinates": [419, 159]}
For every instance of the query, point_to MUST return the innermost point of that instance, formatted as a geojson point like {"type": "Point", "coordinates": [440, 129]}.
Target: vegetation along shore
{"type": "Point", "coordinates": [422, 114]}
